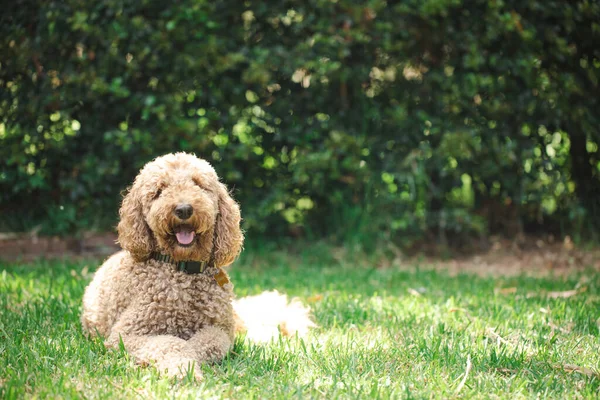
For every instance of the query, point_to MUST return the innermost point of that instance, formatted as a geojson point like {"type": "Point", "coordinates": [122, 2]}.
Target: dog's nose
{"type": "Point", "coordinates": [184, 211]}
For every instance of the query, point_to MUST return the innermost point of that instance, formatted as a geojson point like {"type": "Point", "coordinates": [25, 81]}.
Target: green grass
{"type": "Point", "coordinates": [384, 333]}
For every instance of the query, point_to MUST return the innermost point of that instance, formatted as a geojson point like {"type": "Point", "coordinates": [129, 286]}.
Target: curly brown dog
{"type": "Point", "coordinates": [166, 296]}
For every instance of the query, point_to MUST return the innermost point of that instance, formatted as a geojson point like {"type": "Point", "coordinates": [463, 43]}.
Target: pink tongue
{"type": "Point", "coordinates": [185, 237]}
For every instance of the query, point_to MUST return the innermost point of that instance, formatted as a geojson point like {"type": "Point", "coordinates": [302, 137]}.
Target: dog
{"type": "Point", "coordinates": [165, 296]}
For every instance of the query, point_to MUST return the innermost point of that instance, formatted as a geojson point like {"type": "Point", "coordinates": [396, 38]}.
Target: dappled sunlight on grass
{"type": "Point", "coordinates": [382, 332]}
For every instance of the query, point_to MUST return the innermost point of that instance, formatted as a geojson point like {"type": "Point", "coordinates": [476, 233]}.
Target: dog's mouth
{"type": "Point", "coordinates": [185, 235]}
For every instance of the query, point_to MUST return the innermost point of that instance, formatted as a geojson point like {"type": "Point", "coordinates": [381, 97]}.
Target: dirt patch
{"type": "Point", "coordinates": [522, 256]}
{"type": "Point", "coordinates": [503, 257]}
{"type": "Point", "coordinates": [28, 247]}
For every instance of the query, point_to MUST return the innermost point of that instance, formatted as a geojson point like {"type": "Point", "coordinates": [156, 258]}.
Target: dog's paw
{"type": "Point", "coordinates": [181, 368]}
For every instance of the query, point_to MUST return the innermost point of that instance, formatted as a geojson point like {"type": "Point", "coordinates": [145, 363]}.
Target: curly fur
{"type": "Point", "coordinates": [165, 316]}
{"type": "Point", "coordinates": [147, 220]}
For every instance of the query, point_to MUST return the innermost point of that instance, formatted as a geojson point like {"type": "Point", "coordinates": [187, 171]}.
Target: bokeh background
{"type": "Point", "coordinates": [411, 122]}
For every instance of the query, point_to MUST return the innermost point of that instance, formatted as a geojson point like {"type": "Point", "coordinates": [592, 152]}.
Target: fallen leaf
{"type": "Point", "coordinates": [506, 371]}
{"type": "Point", "coordinates": [315, 298]}
{"type": "Point", "coordinates": [568, 243]}
{"type": "Point", "coordinates": [491, 333]}
{"type": "Point", "coordinates": [562, 295]}
{"type": "Point", "coordinates": [558, 328]}
{"type": "Point", "coordinates": [509, 290]}
{"type": "Point", "coordinates": [576, 368]}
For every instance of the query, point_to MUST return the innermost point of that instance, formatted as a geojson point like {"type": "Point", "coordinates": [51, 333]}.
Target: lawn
{"type": "Point", "coordinates": [408, 331]}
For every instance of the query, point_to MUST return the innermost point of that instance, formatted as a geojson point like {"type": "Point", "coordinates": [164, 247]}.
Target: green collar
{"type": "Point", "coordinates": [189, 267]}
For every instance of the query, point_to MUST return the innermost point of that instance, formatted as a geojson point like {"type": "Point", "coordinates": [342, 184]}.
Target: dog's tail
{"type": "Point", "coordinates": [265, 316]}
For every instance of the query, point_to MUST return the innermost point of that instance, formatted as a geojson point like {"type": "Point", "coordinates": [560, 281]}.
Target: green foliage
{"type": "Point", "coordinates": [453, 117]}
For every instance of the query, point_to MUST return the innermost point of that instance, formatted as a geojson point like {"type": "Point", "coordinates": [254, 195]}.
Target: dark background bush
{"type": "Point", "coordinates": [400, 120]}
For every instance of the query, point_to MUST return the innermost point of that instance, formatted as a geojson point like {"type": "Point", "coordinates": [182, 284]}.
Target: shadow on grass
{"type": "Point", "coordinates": [376, 325]}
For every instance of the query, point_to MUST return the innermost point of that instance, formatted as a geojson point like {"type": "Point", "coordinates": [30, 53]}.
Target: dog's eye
{"type": "Point", "coordinates": [157, 194]}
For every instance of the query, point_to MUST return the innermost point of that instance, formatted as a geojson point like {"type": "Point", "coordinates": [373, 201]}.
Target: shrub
{"type": "Point", "coordinates": [445, 117]}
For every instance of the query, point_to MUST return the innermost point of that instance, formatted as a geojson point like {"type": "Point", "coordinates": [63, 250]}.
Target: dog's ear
{"type": "Point", "coordinates": [228, 234]}
{"type": "Point", "coordinates": [134, 233]}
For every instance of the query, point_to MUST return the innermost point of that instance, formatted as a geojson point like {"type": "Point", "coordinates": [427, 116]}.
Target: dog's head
{"type": "Point", "coordinates": [178, 207]}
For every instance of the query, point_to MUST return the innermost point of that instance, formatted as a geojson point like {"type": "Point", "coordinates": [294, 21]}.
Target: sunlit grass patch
{"type": "Point", "coordinates": [383, 333]}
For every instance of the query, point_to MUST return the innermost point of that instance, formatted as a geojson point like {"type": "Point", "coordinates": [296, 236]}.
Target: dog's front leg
{"type": "Point", "coordinates": [210, 344]}
{"type": "Point", "coordinates": [169, 353]}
